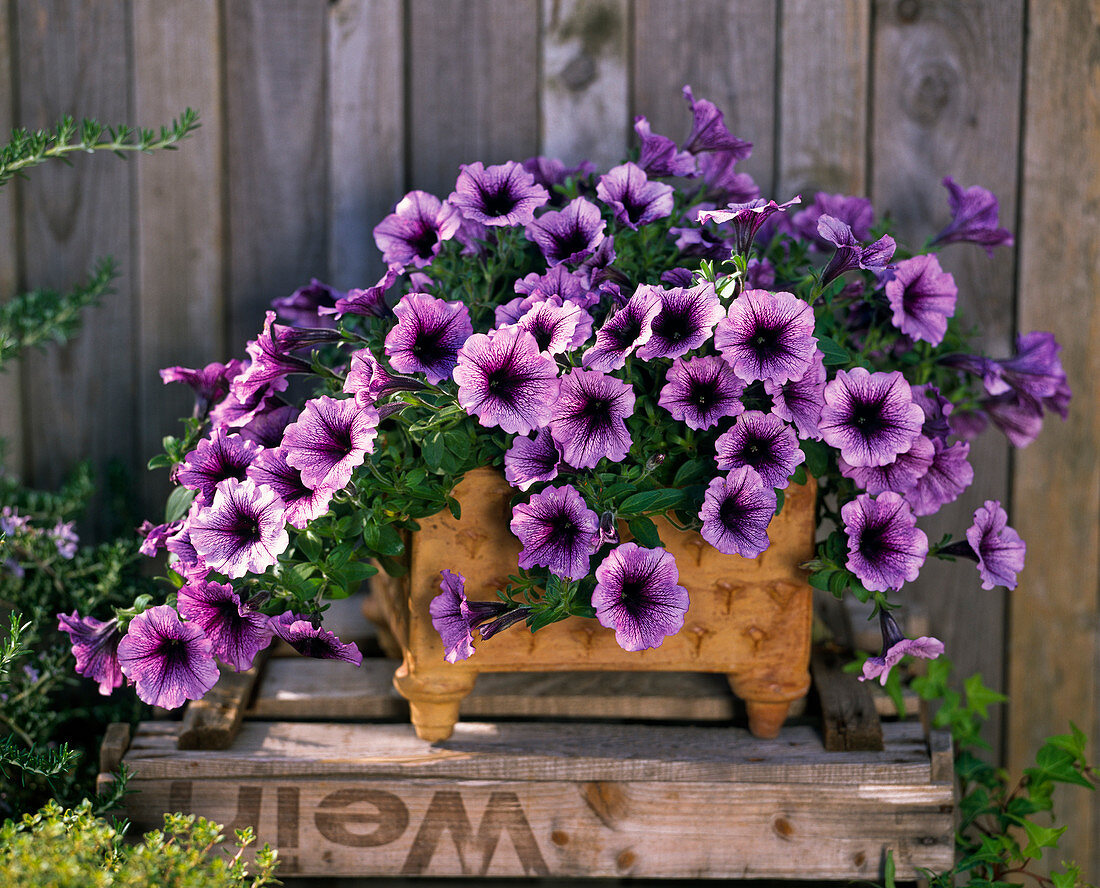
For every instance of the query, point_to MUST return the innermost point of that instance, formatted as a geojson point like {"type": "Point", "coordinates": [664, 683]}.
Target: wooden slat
{"type": "Point", "coordinates": [366, 117]}
{"type": "Point", "coordinates": [116, 740]}
{"type": "Point", "coordinates": [11, 400]}
{"type": "Point", "coordinates": [275, 102]}
{"type": "Point", "coordinates": [824, 91]}
{"type": "Point", "coordinates": [947, 83]}
{"type": "Point", "coordinates": [1055, 627]}
{"type": "Point", "coordinates": [727, 54]}
{"type": "Point", "coordinates": [179, 227]}
{"type": "Point", "coordinates": [584, 90]}
{"type": "Point", "coordinates": [213, 721]}
{"type": "Point", "coordinates": [472, 86]}
{"type": "Point", "coordinates": [74, 57]}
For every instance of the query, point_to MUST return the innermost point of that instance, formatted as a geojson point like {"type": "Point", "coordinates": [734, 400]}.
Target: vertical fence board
{"type": "Point", "coordinates": [11, 402]}
{"type": "Point", "coordinates": [585, 97]}
{"type": "Point", "coordinates": [473, 86]}
{"type": "Point", "coordinates": [726, 52]}
{"type": "Point", "coordinates": [179, 225]}
{"type": "Point", "coordinates": [947, 82]}
{"type": "Point", "coordinates": [824, 82]}
{"type": "Point", "coordinates": [79, 397]}
{"type": "Point", "coordinates": [275, 100]}
{"type": "Point", "coordinates": [367, 125]}
{"type": "Point", "coordinates": [1055, 626]}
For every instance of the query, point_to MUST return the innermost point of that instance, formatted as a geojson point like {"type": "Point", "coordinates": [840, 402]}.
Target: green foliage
{"type": "Point", "coordinates": [73, 848]}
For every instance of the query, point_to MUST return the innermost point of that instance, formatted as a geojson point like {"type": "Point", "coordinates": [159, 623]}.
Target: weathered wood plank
{"type": "Point", "coordinates": [947, 83]}
{"type": "Point", "coordinates": [1054, 674]}
{"type": "Point", "coordinates": [213, 721]}
{"type": "Point", "coordinates": [74, 58]}
{"type": "Point", "coordinates": [179, 227]}
{"type": "Point", "coordinates": [726, 53]}
{"type": "Point", "coordinates": [472, 87]}
{"type": "Point", "coordinates": [824, 85]}
{"type": "Point", "coordinates": [11, 396]}
{"type": "Point", "coordinates": [275, 103]}
{"type": "Point", "coordinates": [366, 117]}
{"type": "Point", "coordinates": [584, 90]}
{"type": "Point", "coordinates": [116, 740]}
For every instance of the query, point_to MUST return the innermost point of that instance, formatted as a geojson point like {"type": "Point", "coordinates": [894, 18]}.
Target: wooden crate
{"type": "Point", "coordinates": [574, 789]}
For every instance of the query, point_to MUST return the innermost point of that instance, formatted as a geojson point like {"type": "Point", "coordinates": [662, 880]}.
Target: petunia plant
{"type": "Point", "coordinates": [657, 340]}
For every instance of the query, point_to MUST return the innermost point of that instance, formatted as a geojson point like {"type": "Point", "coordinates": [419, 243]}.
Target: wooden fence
{"type": "Point", "coordinates": [317, 116]}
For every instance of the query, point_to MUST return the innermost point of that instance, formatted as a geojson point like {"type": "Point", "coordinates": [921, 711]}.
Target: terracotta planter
{"type": "Point", "coordinates": [749, 619]}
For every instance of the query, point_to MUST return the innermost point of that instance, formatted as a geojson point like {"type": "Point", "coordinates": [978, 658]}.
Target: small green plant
{"type": "Point", "coordinates": [73, 848]}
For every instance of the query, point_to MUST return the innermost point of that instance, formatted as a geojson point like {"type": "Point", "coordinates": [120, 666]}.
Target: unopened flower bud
{"type": "Point", "coordinates": [653, 462]}
{"type": "Point", "coordinates": [609, 531]}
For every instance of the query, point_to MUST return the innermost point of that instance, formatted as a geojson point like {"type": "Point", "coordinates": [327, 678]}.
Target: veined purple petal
{"type": "Point", "coordinates": [450, 613]}
{"type": "Point", "coordinates": [242, 531]}
{"type": "Point", "coordinates": [746, 219]}
{"type": "Point", "coordinates": [266, 428]}
{"type": "Point", "coordinates": [570, 234]}
{"type": "Point", "coordinates": [701, 391]}
{"type": "Point", "coordinates": [428, 334]}
{"type": "Point", "coordinates": [767, 336]}
{"type": "Point", "coordinates": [314, 641]}
{"type": "Point", "coordinates": [763, 442]}
{"type": "Point", "coordinates": [95, 647]}
{"type": "Point", "coordinates": [922, 296]}
{"type": "Point", "coordinates": [414, 232]}
{"type": "Point", "coordinates": [215, 459]}
{"type": "Point", "coordinates": [799, 401]}
{"type": "Point", "coordinates": [973, 218]}
{"type": "Point", "coordinates": [685, 321]}
{"type": "Point", "coordinates": [708, 130]}
{"type": "Point", "coordinates": [167, 660]}
{"type": "Point", "coordinates": [886, 549]}
{"type": "Point", "coordinates": [659, 156]}
{"type": "Point", "coordinates": [936, 410]}
{"type": "Point", "coordinates": [557, 530]}
{"type": "Point", "coordinates": [330, 439]}
{"type": "Point", "coordinates": [551, 171]}
{"type": "Point", "coordinates": [529, 461]}
{"type": "Point", "coordinates": [900, 476]}
{"type": "Point", "coordinates": [870, 417]}
{"type": "Point", "coordinates": [303, 503]}
{"type": "Point", "coordinates": [501, 195]}
{"type": "Point", "coordinates": [557, 327]}
{"type": "Point", "coordinates": [588, 421]}
{"type": "Point", "coordinates": [737, 509]}
{"type": "Point", "coordinates": [369, 302]}
{"type": "Point", "coordinates": [624, 331]}
{"type": "Point", "coordinates": [236, 632]}
{"type": "Point", "coordinates": [306, 305]}
{"type": "Point", "coordinates": [855, 212]}
{"type": "Point", "coordinates": [850, 252]}
{"type": "Point", "coordinates": [895, 646]}
{"type": "Point", "coordinates": [638, 596]}
{"type": "Point", "coordinates": [634, 199]}
{"type": "Point", "coordinates": [999, 549]}
{"type": "Point", "coordinates": [210, 384]}
{"type": "Point", "coordinates": [949, 474]}
{"type": "Point", "coordinates": [556, 281]}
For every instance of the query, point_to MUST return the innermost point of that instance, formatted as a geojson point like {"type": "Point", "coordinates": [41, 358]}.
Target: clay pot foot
{"type": "Point", "coordinates": [766, 719]}
{"type": "Point", "coordinates": [433, 701]}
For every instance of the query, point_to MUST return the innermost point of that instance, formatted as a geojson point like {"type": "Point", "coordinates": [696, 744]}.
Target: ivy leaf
{"type": "Point", "coordinates": [1040, 837]}
{"type": "Point", "coordinates": [979, 697]}
{"type": "Point", "coordinates": [179, 501]}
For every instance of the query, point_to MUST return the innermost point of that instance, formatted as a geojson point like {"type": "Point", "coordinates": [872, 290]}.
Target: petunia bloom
{"type": "Point", "coordinates": [95, 647]}
{"type": "Point", "coordinates": [216, 458]}
{"type": "Point", "coordinates": [501, 195]}
{"type": "Point", "coordinates": [559, 281]}
{"type": "Point", "coordinates": [701, 391]}
{"type": "Point", "coordinates": [529, 461]}
{"type": "Point", "coordinates": [210, 384]}
{"type": "Point", "coordinates": [329, 440]}
{"type": "Point", "coordinates": [242, 531]}
{"type": "Point", "coordinates": [637, 595]}
{"type": "Point", "coordinates": [998, 548]}
{"type": "Point", "coordinates": [306, 305]}
{"type": "Point", "coordinates": [589, 419]}
{"type": "Point", "coordinates": [799, 401]}
{"type": "Point", "coordinates": [895, 646]}
{"type": "Point", "coordinates": [708, 130]}
{"type": "Point", "coordinates": [765, 443]}
{"type": "Point", "coordinates": [659, 157]}
{"type": "Point", "coordinates": [922, 296]}
{"type": "Point", "coordinates": [900, 476]}
{"type": "Point", "coordinates": [167, 660]}
{"type": "Point", "coordinates": [427, 336]}
{"type": "Point", "coordinates": [624, 331]}
{"type": "Point", "coordinates": [856, 212]}
{"type": "Point", "coordinates": [416, 229]}
{"type": "Point", "coordinates": [869, 417]}
{"type": "Point", "coordinates": [450, 613]}
{"type": "Point", "coordinates": [737, 509]}
{"type": "Point", "coordinates": [746, 219]}
{"type": "Point", "coordinates": [314, 641]}
{"type": "Point", "coordinates": [557, 530]}
{"type": "Point", "coordinates": [973, 218]}
{"type": "Point", "coordinates": [557, 327]}
{"type": "Point", "coordinates": [369, 301]}
{"type": "Point", "coordinates": [273, 358]}
{"type": "Point", "coordinates": [303, 503]}
{"type": "Point", "coordinates": [948, 475]}
{"type": "Point", "coordinates": [236, 632]}
{"type": "Point", "coordinates": [550, 171]}
{"type": "Point", "coordinates": [936, 409]}
{"type": "Point", "coordinates": [850, 252]}
{"type": "Point", "coordinates": [685, 321]}
{"type": "Point", "coordinates": [767, 336]}
{"type": "Point", "coordinates": [634, 198]}
{"type": "Point", "coordinates": [886, 549]}
{"type": "Point", "coordinates": [570, 234]}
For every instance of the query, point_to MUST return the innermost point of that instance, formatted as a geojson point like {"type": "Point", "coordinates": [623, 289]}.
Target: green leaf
{"type": "Point", "coordinates": [819, 579]}
{"type": "Point", "coordinates": [389, 541]}
{"type": "Point", "coordinates": [1070, 878]}
{"type": "Point", "coordinates": [817, 457]}
{"type": "Point", "coordinates": [179, 501]}
{"type": "Point", "coordinates": [799, 475]}
{"type": "Point", "coordinates": [1040, 837]}
{"type": "Point", "coordinates": [652, 501]}
{"type": "Point", "coordinates": [645, 533]}
{"type": "Point", "coordinates": [780, 498]}
{"type": "Point", "coordinates": [838, 582]}
{"type": "Point", "coordinates": [432, 449]}
{"type": "Point", "coordinates": [889, 871]}
{"type": "Point", "coordinates": [309, 545]}
{"type": "Point", "coordinates": [455, 506]}
{"type": "Point", "coordinates": [979, 697]}
{"type": "Point", "coordinates": [833, 351]}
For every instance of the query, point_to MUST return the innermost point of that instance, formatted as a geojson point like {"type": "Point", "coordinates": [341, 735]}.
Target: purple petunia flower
{"type": "Point", "coordinates": [708, 130]}
{"type": "Point", "coordinates": [724, 183]}
{"type": "Point", "coordinates": [894, 647]}
{"type": "Point", "coordinates": [266, 428]}
{"type": "Point", "coordinates": [367, 380]}
{"type": "Point", "coordinates": [1019, 417]}
{"type": "Point", "coordinates": [167, 660]}
{"type": "Point", "coordinates": [557, 327]}
{"type": "Point", "coordinates": [236, 632]}
{"type": "Point", "coordinates": [329, 440]}
{"type": "Point", "coordinates": [767, 336]}
{"type": "Point", "coordinates": [529, 460]}
{"type": "Point", "coordinates": [306, 305]}
{"type": "Point", "coordinates": [799, 401]}
{"type": "Point", "coordinates": [1034, 371]}
{"type": "Point", "coordinates": [242, 531]}
{"type": "Point", "coordinates": [765, 443]}
{"type": "Point", "coordinates": [737, 510]}
{"type": "Point", "coordinates": [973, 218]}
{"type": "Point", "coordinates": [235, 412]}
{"type": "Point", "coordinates": [998, 548]}
{"type": "Point", "coordinates": [637, 595]}
{"type": "Point", "coordinates": [427, 336]}
{"type": "Point", "coordinates": [187, 560]}
{"type": "Point", "coordinates": [746, 219]}
{"type": "Point", "coordinates": [505, 194]}
{"type": "Point", "coordinates": [588, 422]}
{"type": "Point", "coordinates": [550, 171]}
{"type": "Point", "coordinates": [303, 503]}
{"type": "Point", "coordinates": [95, 647]}
{"type": "Point", "coordinates": [886, 549]}
{"type": "Point", "coordinates": [634, 198]}
{"type": "Point", "coordinates": [314, 641]}
{"type": "Point", "coordinates": [659, 156]}
{"type": "Point", "coordinates": [369, 302]}
{"type": "Point", "coordinates": [556, 281]}
{"type": "Point", "coordinates": [504, 380]}
{"type": "Point", "coordinates": [869, 417]}
{"type": "Point", "coordinates": [936, 410]}
{"type": "Point", "coordinates": [850, 252]}
{"type": "Point", "coordinates": [155, 536]}
{"type": "Point", "coordinates": [215, 459]}
{"type": "Point", "coordinates": [947, 477]}
{"type": "Point", "coordinates": [273, 357]}
{"type": "Point", "coordinates": [685, 321]}
{"type": "Point", "coordinates": [900, 476]}
{"type": "Point", "coordinates": [570, 234]}
{"type": "Point", "coordinates": [701, 391]}
{"type": "Point", "coordinates": [557, 530]}
{"type": "Point", "coordinates": [415, 230]}
{"type": "Point", "coordinates": [922, 296]}
{"type": "Point", "coordinates": [627, 329]}
{"type": "Point", "coordinates": [856, 212]}
{"type": "Point", "coordinates": [210, 384]}
{"type": "Point", "coordinates": [759, 274]}
{"type": "Point", "coordinates": [450, 613]}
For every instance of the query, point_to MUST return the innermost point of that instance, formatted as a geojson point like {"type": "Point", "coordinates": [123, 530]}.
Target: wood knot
{"type": "Point", "coordinates": [931, 92]}
{"type": "Point", "coordinates": [908, 11]}
{"type": "Point", "coordinates": [860, 859]}
{"type": "Point", "coordinates": [579, 72]}
{"type": "Point", "coordinates": [559, 838]}
{"type": "Point", "coordinates": [606, 800]}
{"type": "Point", "coordinates": [781, 826]}
{"type": "Point", "coordinates": [625, 860]}
{"type": "Point", "coordinates": [585, 633]}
